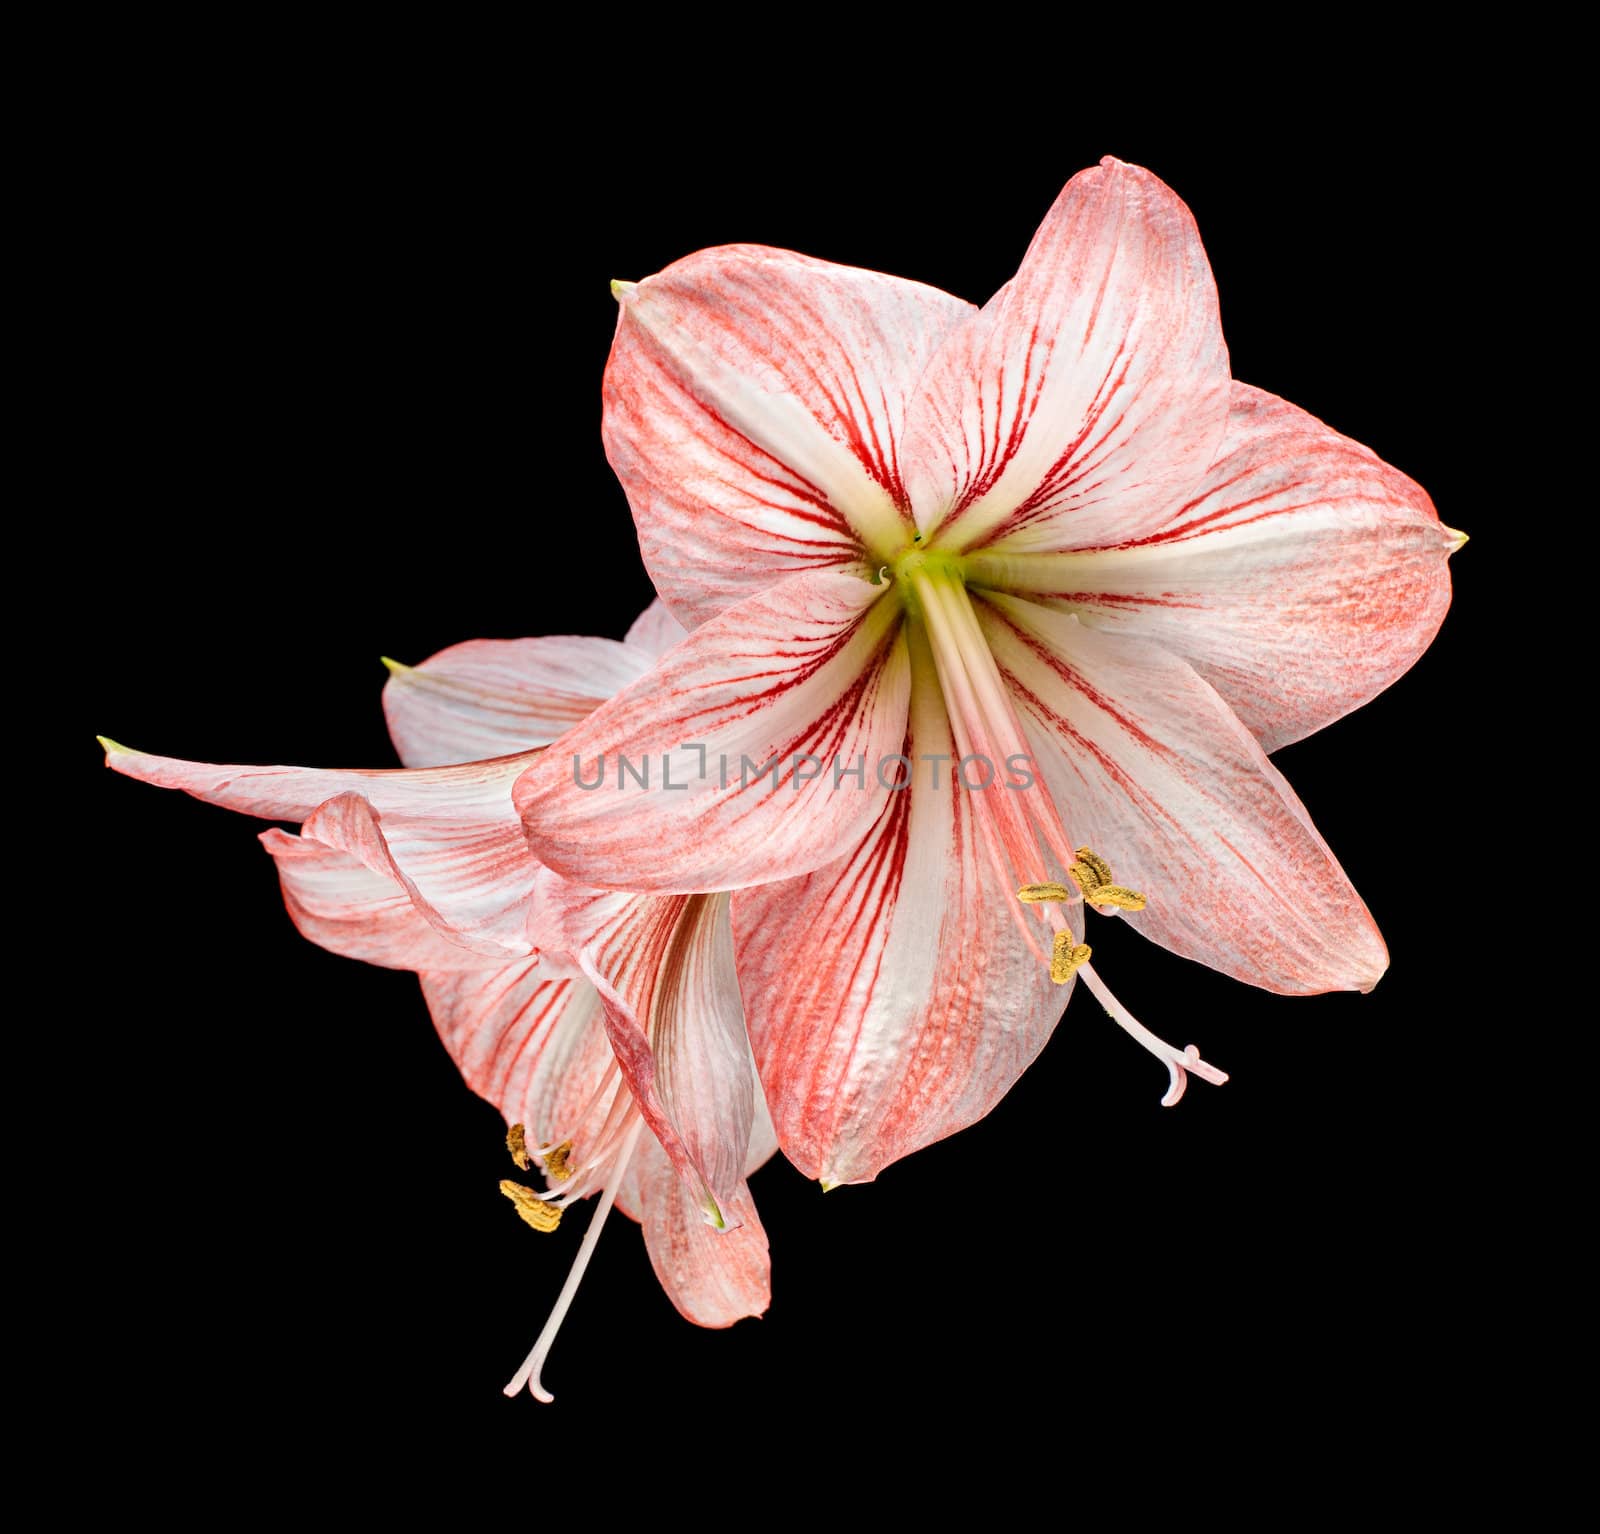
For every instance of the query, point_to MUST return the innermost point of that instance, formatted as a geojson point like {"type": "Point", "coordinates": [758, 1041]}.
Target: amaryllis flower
{"type": "Point", "coordinates": [619, 1059]}
{"type": "Point", "coordinates": [1047, 546]}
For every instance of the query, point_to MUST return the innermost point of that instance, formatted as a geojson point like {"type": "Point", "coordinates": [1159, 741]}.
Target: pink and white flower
{"type": "Point", "coordinates": [1051, 532]}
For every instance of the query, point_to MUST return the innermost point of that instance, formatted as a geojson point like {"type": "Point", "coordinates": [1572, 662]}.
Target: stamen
{"type": "Point", "coordinates": [1092, 874]}
{"type": "Point", "coordinates": [1115, 895]}
{"type": "Point", "coordinates": [555, 1161]}
{"type": "Point", "coordinates": [533, 1209]}
{"type": "Point", "coordinates": [1178, 1064]}
{"type": "Point", "coordinates": [517, 1144]}
{"type": "Point", "coordinates": [1091, 865]}
{"type": "Point", "coordinates": [1037, 894]}
{"type": "Point", "coordinates": [528, 1374]}
{"type": "Point", "coordinates": [1067, 957]}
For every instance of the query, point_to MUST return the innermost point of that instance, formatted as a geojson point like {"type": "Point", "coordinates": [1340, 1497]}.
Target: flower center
{"type": "Point", "coordinates": [914, 561]}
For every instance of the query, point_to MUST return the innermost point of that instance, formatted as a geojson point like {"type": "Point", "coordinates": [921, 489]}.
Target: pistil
{"type": "Point", "coordinates": [528, 1374]}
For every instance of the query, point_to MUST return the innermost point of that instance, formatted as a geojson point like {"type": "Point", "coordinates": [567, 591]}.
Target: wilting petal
{"type": "Point", "coordinates": [533, 1045]}
{"type": "Point", "coordinates": [344, 893]}
{"type": "Point", "coordinates": [892, 997]}
{"type": "Point", "coordinates": [663, 965]}
{"type": "Point", "coordinates": [1300, 580]}
{"type": "Point", "coordinates": [493, 697]}
{"type": "Point", "coordinates": [753, 406]}
{"type": "Point", "coordinates": [714, 1277]}
{"type": "Point", "coordinates": [452, 832]}
{"type": "Point", "coordinates": [814, 668]}
{"type": "Point", "coordinates": [1150, 767]}
{"type": "Point", "coordinates": [1087, 398]}
{"type": "Point", "coordinates": [655, 630]}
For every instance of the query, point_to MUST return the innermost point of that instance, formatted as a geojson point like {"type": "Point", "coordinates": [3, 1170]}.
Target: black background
{"type": "Point", "coordinates": [343, 364]}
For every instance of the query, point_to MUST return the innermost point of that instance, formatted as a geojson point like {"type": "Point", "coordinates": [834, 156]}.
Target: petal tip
{"type": "Point", "coordinates": [1454, 539]}
{"type": "Point", "coordinates": [114, 747]}
{"type": "Point", "coordinates": [622, 291]}
{"type": "Point", "coordinates": [827, 1184]}
{"type": "Point", "coordinates": [396, 668]}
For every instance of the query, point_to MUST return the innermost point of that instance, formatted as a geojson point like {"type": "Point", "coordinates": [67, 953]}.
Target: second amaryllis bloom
{"type": "Point", "coordinates": [1003, 608]}
{"type": "Point", "coordinates": [606, 1028]}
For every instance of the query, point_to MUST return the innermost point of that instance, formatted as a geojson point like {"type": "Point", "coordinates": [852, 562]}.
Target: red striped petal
{"type": "Point", "coordinates": [892, 997]}
{"type": "Point", "coordinates": [663, 966]}
{"type": "Point", "coordinates": [1300, 579]}
{"type": "Point", "coordinates": [451, 832]}
{"type": "Point", "coordinates": [1150, 767]}
{"type": "Point", "coordinates": [754, 402]}
{"type": "Point", "coordinates": [813, 669]}
{"type": "Point", "coordinates": [714, 1277]}
{"type": "Point", "coordinates": [493, 697]}
{"type": "Point", "coordinates": [1087, 398]}
{"type": "Point", "coordinates": [344, 892]}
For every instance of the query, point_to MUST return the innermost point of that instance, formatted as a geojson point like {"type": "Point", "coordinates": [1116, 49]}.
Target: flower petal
{"type": "Point", "coordinates": [814, 668]}
{"type": "Point", "coordinates": [531, 1042]}
{"type": "Point", "coordinates": [492, 697]}
{"type": "Point", "coordinates": [344, 893]}
{"type": "Point", "coordinates": [655, 631]}
{"type": "Point", "coordinates": [663, 966]}
{"type": "Point", "coordinates": [714, 1277]}
{"type": "Point", "coordinates": [1150, 767]}
{"type": "Point", "coordinates": [892, 997]}
{"type": "Point", "coordinates": [754, 402]}
{"type": "Point", "coordinates": [451, 832]}
{"type": "Point", "coordinates": [1087, 397]}
{"type": "Point", "coordinates": [1303, 577]}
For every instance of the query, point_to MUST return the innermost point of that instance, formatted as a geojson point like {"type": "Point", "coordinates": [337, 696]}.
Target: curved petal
{"type": "Point", "coordinates": [1150, 767]}
{"type": "Point", "coordinates": [753, 406]}
{"type": "Point", "coordinates": [531, 1043]}
{"type": "Point", "coordinates": [729, 745]}
{"type": "Point", "coordinates": [1302, 578]}
{"type": "Point", "coordinates": [714, 1277]}
{"type": "Point", "coordinates": [892, 997]}
{"type": "Point", "coordinates": [663, 966]}
{"type": "Point", "coordinates": [1088, 396]}
{"type": "Point", "coordinates": [655, 631]}
{"type": "Point", "coordinates": [344, 893]}
{"type": "Point", "coordinates": [493, 697]}
{"type": "Point", "coordinates": [451, 832]}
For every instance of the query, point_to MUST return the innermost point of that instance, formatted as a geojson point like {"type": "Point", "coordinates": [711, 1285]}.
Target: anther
{"type": "Point", "coordinates": [555, 1162]}
{"type": "Point", "coordinates": [1116, 895]}
{"type": "Point", "coordinates": [1090, 863]}
{"type": "Point", "coordinates": [517, 1144]}
{"type": "Point", "coordinates": [1034, 894]}
{"type": "Point", "coordinates": [1067, 957]}
{"type": "Point", "coordinates": [1092, 874]}
{"type": "Point", "coordinates": [533, 1209]}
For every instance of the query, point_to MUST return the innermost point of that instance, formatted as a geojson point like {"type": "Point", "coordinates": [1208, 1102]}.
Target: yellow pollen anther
{"type": "Point", "coordinates": [1091, 865]}
{"type": "Point", "coordinates": [533, 1209]}
{"type": "Point", "coordinates": [1092, 874]}
{"type": "Point", "coordinates": [555, 1162]}
{"type": "Point", "coordinates": [517, 1144]}
{"type": "Point", "coordinates": [1034, 894]}
{"type": "Point", "coordinates": [1116, 895]}
{"type": "Point", "coordinates": [1068, 957]}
